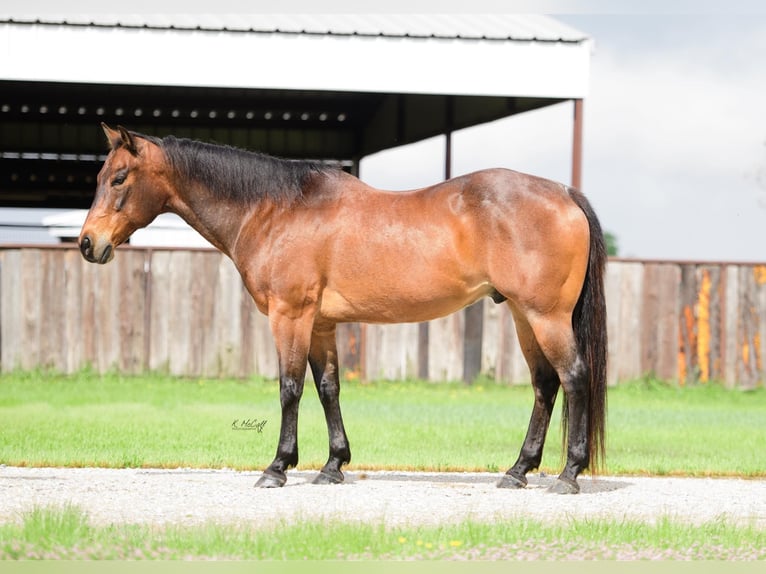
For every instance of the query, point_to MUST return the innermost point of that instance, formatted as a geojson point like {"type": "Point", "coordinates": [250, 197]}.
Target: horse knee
{"type": "Point", "coordinates": [290, 391]}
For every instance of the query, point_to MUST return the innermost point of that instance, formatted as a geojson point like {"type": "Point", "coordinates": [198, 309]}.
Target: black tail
{"type": "Point", "coordinates": [589, 323]}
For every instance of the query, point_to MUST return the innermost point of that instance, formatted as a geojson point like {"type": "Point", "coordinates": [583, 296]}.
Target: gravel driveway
{"type": "Point", "coordinates": [395, 498]}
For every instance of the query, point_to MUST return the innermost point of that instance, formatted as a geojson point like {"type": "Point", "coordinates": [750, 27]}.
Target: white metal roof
{"type": "Point", "coordinates": [459, 54]}
{"type": "Point", "coordinates": [463, 26]}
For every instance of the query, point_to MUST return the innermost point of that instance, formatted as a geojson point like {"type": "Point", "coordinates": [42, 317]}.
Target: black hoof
{"type": "Point", "coordinates": [269, 480]}
{"type": "Point", "coordinates": [328, 477]}
{"type": "Point", "coordinates": [510, 481]}
{"type": "Point", "coordinates": [563, 486]}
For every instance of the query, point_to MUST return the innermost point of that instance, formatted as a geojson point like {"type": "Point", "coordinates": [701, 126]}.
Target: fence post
{"type": "Point", "coordinates": [472, 341]}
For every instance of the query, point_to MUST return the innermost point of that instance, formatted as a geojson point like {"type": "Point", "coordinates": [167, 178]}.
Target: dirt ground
{"type": "Point", "coordinates": [393, 498]}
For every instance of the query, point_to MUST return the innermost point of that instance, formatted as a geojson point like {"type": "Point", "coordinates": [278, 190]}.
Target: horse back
{"type": "Point", "coordinates": [383, 256]}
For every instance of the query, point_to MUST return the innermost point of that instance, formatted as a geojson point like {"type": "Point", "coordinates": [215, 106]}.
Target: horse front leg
{"type": "Point", "coordinates": [323, 359]}
{"type": "Point", "coordinates": [292, 335]}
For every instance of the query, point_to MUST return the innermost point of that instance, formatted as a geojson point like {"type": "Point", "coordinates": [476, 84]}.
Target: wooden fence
{"type": "Point", "coordinates": [186, 312]}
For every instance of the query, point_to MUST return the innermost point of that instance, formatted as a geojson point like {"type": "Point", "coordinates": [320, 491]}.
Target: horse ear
{"type": "Point", "coordinates": [128, 141]}
{"type": "Point", "coordinates": [113, 136]}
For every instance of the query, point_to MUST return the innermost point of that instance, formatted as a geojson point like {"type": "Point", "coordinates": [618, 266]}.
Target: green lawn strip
{"type": "Point", "coordinates": [55, 534]}
{"type": "Point", "coordinates": [161, 421]}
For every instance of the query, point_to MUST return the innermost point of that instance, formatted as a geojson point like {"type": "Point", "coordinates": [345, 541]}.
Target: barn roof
{"type": "Point", "coordinates": [326, 86]}
{"type": "Point", "coordinates": [527, 27]}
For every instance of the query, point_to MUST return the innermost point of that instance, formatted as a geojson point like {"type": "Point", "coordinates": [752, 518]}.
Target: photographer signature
{"type": "Point", "coordinates": [248, 424]}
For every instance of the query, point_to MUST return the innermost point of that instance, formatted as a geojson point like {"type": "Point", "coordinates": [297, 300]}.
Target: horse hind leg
{"type": "Point", "coordinates": [556, 339]}
{"type": "Point", "coordinates": [323, 359]}
{"type": "Point", "coordinates": [575, 421]}
{"type": "Point", "coordinates": [545, 382]}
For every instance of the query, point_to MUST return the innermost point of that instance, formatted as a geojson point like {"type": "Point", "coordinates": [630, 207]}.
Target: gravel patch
{"type": "Point", "coordinates": [192, 496]}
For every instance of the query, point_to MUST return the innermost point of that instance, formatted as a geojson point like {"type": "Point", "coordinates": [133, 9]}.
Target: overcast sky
{"type": "Point", "coordinates": [674, 136]}
{"type": "Point", "coordinates": [675, 124]}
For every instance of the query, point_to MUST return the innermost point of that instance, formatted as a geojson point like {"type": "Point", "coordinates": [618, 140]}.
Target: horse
{"type": "Point", "coordinates": [315, 246]}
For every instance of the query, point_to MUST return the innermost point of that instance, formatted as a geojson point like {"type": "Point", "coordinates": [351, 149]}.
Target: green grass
{"type": "Point", "coordinates": [160, 421]}
{"type": "Point", "coordinates": [66, 533]}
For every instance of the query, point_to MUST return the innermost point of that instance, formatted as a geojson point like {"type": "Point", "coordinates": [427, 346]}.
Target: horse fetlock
{"type": "Point", "coordinates": [340, 453]}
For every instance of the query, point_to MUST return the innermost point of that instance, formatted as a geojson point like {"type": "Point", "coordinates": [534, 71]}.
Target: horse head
{"type": "Point", "coordinates": [132, 189]}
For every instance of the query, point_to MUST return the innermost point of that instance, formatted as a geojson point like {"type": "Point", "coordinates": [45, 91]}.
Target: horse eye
{"type": "Point", "coordinates": [120, 178]}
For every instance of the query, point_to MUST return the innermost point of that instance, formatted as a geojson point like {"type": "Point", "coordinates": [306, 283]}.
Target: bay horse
{"type": "Point", "coordinates": [316, 247]}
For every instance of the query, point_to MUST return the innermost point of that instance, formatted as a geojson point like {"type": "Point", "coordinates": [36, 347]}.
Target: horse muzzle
{"type": "Point", "coordinates": [96, 251]}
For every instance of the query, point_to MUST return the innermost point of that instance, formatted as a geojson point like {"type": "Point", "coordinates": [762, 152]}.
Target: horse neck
{"type": "Point", "coordinates": [217, 220]}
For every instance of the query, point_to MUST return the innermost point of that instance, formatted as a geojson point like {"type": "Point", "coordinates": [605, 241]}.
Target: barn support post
{"type": "Point", "coordinates": [577, 145]}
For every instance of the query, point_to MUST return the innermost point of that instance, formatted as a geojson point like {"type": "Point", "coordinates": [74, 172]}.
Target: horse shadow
{"type": "Point", "coordinates": [588, 484]}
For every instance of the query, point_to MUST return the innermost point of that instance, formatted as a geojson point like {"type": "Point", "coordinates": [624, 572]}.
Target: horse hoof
{"type": "Point", "coordinates": [562, 486]}
{"type": "Point", "coordinates": [328, 477]}
{"type": "Point", "coordinates": [510, 481]}
{"type": "Point", "coordinates": [269, 480]}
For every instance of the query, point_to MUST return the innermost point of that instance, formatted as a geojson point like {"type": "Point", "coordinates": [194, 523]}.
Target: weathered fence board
{"type": "Point", "coordinates": [159, 318]}
{"type": "Point", "coordinates": [445, 348]}
{"type": "Point", "coordinates": [731, 291]}
{"type": "Point", "coordinates": [188, 313]}
{"type": "Point", "coordinates": [659, 319]}
{"type": "Point", "coordinates": [73, 326]}
{"type": "Point", "coordinates": [10, 303]}
{"type": "Point", "coordinates": [391, 351]}
{"type": "Point", "coordinates": [182, 316]}
{"type": "Point", "coordinates": [624, 286]}
{"type": "Point", "coordinates": [260, 355]}
{"type": "Point", "coordinates": [224, 352]}
{"type": "Point", "coordinates": [759, 344]}
{"type": "Point", "coordinates": [31, 307]}
{"type": "Point", "coordinates": [132, 313]}
{"type": "Point", "coordinates": [502, 357]}
{"type": "Point", "coordinates": [749, 328]}
{"type": "Point", "coordinates": [700, 355]}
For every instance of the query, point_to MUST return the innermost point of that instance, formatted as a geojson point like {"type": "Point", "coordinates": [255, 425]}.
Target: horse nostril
{"type": "Point", "coordinates": [85, 245]}
{"type": "Point", "coordinates": [106, 255]}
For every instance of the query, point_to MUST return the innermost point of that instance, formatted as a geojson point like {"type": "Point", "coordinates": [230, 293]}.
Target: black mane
{"type": "Point", "coordinates": [235, 174]}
